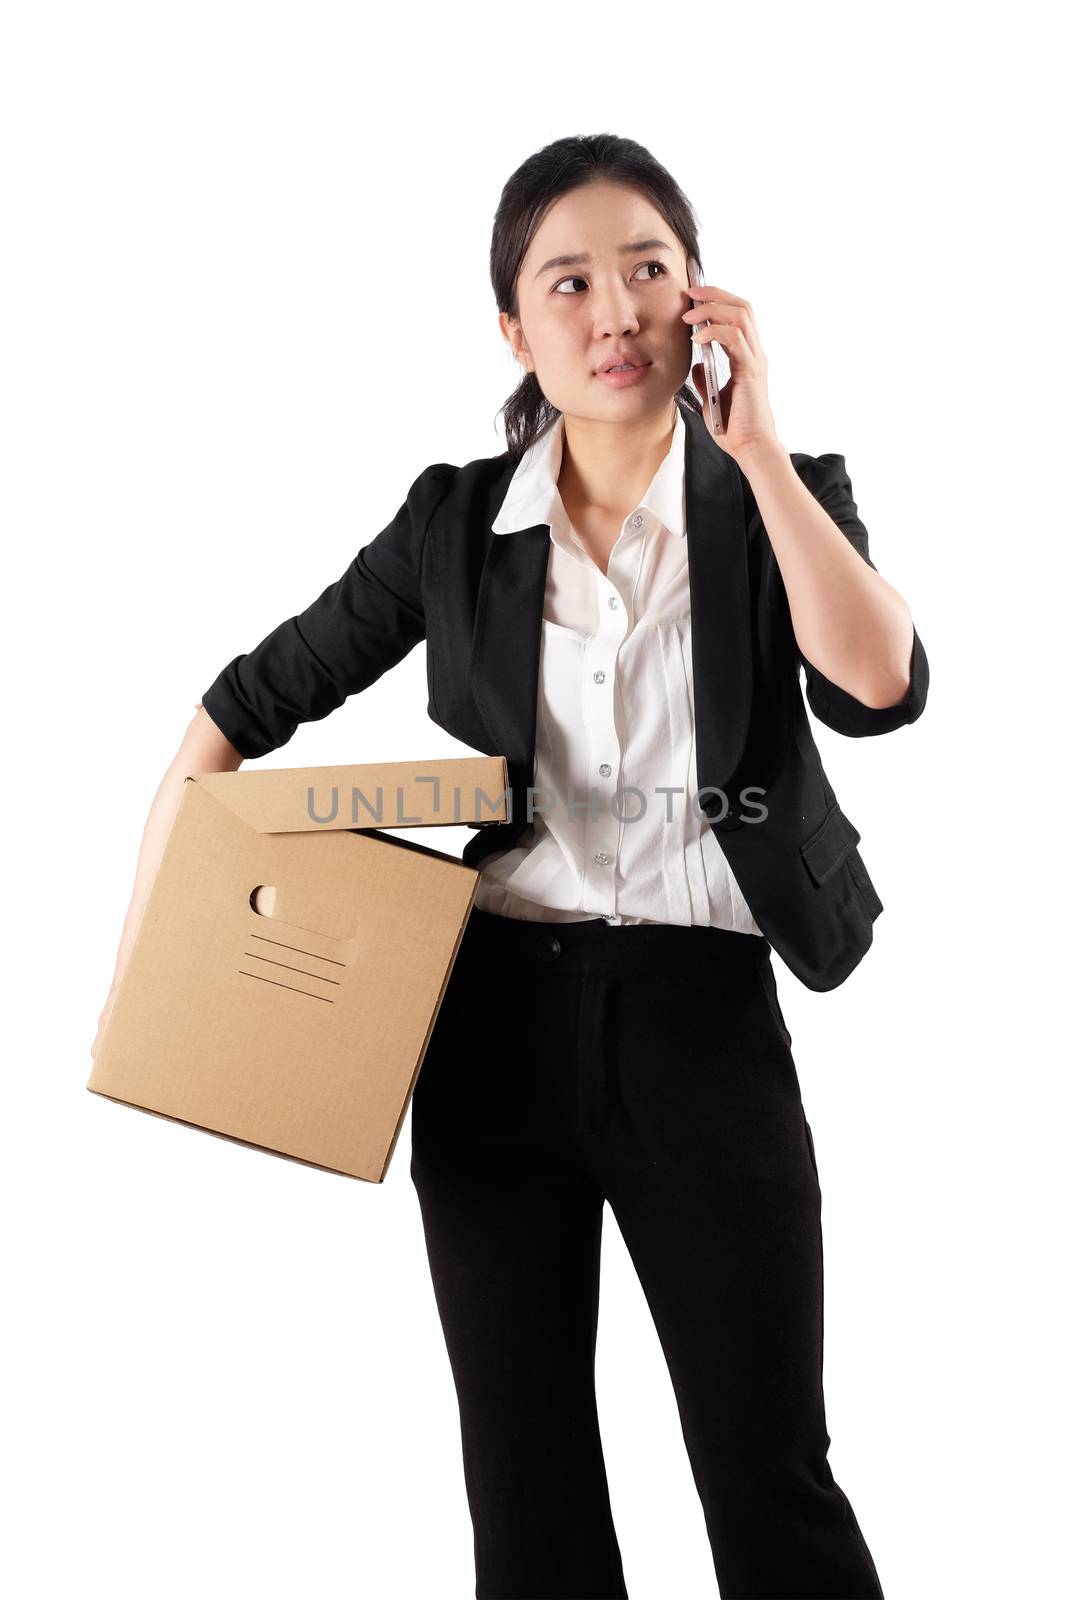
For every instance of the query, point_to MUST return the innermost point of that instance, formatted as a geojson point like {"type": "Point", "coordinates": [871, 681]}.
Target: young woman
{"type": "Point", "coordinates": [621, 603]}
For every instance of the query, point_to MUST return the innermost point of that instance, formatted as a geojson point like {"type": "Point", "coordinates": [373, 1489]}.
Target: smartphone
{"type": "Point", "coordinates": [714, 357]}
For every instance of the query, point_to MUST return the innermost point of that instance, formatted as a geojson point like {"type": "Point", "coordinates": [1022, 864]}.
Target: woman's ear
{"type": "Point", "coordinates": [511, 329]}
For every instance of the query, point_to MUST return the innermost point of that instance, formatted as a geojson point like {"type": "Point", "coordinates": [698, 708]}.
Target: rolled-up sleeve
{"type": "Point", "coordinates": [827, 479]}
{"type": "Point", "coordinates": [359, 627]}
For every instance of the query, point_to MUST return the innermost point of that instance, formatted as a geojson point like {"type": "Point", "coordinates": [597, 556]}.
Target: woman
{"type": "Point", "coordinates": [620, 604]}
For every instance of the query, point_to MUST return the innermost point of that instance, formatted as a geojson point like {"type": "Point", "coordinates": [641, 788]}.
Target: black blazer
{"type": "Point", "coordinates": [439, 573]}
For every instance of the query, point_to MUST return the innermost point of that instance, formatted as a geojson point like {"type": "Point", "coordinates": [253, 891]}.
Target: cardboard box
{"type": "Point", "coordinates": [292, 958]}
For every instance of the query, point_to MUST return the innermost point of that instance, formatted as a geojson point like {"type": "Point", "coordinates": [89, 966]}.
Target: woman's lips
{"type": "Point", "coordinates": [624, 379]}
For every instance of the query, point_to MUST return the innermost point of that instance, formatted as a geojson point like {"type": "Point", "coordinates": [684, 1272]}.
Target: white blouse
{"type": "Point", "coordinates": [615, 723]}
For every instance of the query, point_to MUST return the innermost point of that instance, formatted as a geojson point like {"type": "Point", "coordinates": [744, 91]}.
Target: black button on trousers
{"type": "Point", "coordinates": [649, 1066]}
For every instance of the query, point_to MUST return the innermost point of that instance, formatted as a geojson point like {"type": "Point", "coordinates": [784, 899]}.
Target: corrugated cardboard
{"type": "Point", "coordinates": [291, 959]}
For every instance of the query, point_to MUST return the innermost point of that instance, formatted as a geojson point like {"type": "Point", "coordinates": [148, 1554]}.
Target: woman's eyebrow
{"type": "Point", "coordinates": [583, 260]}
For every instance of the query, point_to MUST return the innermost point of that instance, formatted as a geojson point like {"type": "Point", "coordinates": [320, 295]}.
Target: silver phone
{"type": "Point", "coordinates": [716, 362]}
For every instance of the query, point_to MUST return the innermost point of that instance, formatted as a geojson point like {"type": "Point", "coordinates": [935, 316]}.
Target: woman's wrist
{"type": "Point", "coordinates": [763, 456]}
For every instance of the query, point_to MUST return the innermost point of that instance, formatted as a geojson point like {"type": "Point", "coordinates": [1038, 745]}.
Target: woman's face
{"type": "Point", "coordinates": [572, 315]}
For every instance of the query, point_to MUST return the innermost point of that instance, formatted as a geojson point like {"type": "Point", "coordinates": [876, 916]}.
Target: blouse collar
{"type": "Point", "coordinates": [533, 497]}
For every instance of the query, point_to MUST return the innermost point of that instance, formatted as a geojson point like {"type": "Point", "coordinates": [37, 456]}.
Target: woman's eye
{"type": "Point", "coordinates": [661, 269]}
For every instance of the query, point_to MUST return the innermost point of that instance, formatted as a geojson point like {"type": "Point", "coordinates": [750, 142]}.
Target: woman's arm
{"type": "Point", "coordinates": [357, 629]}
{"type": "Point", "coordinates": [838, 625]}
{"type": "Point", "coordinates": [203, 749]}
{"type": "Point", "coordinates": [849, 622]}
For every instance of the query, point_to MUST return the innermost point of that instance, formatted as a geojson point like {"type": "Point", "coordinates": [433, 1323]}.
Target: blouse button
{"type": "Point", "coordinates": [613, 602]}
{"type": "Point", "coordinates": [604, 770]}
{"type": "Point", "coordinates": [601, 858]}
{"type": "Point", "coordinates": [637, 520]}
{"type": "Point", "coordinates": [598, 677]}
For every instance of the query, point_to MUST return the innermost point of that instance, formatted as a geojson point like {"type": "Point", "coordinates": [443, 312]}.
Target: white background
{"type": "Point", "coordinates": [246, 302]}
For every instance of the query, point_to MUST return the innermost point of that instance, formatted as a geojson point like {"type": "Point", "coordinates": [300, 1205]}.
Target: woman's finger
{"type": "Point", "coordinates": [732, 338]}
{"type": "Point", "coordinates": [735, 311]}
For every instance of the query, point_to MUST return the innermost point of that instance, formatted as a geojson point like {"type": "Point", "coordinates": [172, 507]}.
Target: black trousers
{"type": "Point", "coordinates": [648, 1066]}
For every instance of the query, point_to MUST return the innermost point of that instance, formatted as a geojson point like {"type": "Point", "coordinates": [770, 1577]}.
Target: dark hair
{"type": "Point", "coordinates": [567, 164]}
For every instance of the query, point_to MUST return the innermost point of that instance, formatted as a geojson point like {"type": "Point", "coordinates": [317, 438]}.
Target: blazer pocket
{"type": "Point", "coordinates": [831, 846]}
{"type": "Point", "coordinates": [826, 848]}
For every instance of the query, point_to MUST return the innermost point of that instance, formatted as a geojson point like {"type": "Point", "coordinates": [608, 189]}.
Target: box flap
{"type": "Point", "coordinates": [390, 794]}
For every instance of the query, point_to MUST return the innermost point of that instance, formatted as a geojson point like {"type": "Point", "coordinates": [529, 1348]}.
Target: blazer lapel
{"type": "Point", "coordinates": [506, 643]}
{"type": "Point", "coordinates": [719, 601]}
{"type": "Point", "coordinates": [506, 646]}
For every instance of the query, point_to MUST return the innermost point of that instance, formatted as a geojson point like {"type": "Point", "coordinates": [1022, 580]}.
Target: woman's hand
{"type": "Point", "coordinates": [745, 403]}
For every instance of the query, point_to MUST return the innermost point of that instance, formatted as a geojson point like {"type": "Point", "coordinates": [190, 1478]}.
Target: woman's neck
{"type": "Point", "coordinates": [607, 466]}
